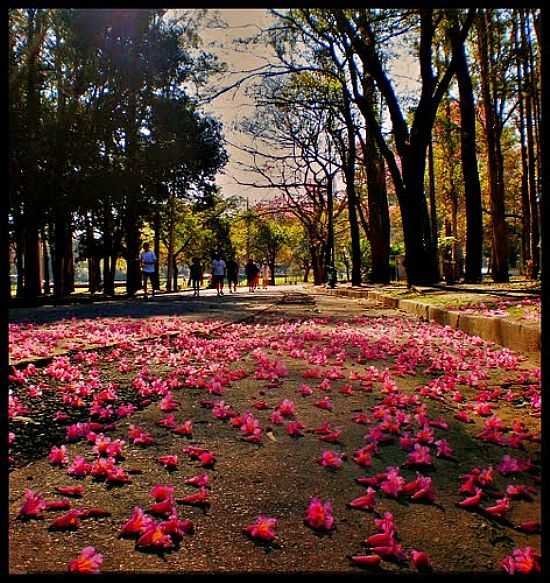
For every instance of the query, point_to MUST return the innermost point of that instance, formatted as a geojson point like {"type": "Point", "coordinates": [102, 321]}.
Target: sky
{"type": "Point", "coordinates": [233, 105]}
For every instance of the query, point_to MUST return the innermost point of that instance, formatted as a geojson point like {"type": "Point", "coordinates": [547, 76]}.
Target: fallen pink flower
{"type": "Point", "coordinates": [94, 512]}
{"type": "Point", "coordinates": [393, 483]}
{"type": "Point", "coordinates": [325, 403]}
{"type": "Point", "coordinates": [394, 551]}
{"type": "Point", "coordinates": [176, 528]}
{"type": "Point", "coordinates": [524, 561]}
{"type": "Point", "coordinates": [69, 521]}
{"type": "Point", "coordinates": [472, 500]}
{"type": "Point", "coordinates": [170, 462]}
{"type": "Point", "coordinates": [185, 429]}
{"type": "Point", "coordinates": [155, 537]}
{"type": "Point", "coordinates": [530, 527]}
{"type": "Point", "coordinates": [163, 508]}
{"type": "Point", "coordinates": [361, 419]}
{"type": "Point", "coordinates": [386, 523]}
{"type": "Point", "coordinates": [500, 508]}
{"type": "Point", "coordinates": [305, 390]}
{"type": "Point", "coordinates": [381, 539]}
{"type": "Point", "coordinates": [168, 422]}
{"type": "Point", "coordinates": [366, 560]}
{"type": "Point", "coordinates": [88, 562]}
{"type": "Point", "coordinates": [263, 529]}
{"type": "Point", "coordinates": [102, 467]}
{"type": "Point", "coordinates": [117, 476]}
{"type": "Point", "coordinates": [58, 456]}
{"type": "Point", "coordinates": [193, 452]}
{"type": "Point", "coordinates": [161, 492]}
{"type": "Point", "coordinates": [331, 460]}
{"type": "Point", "coordinates": [64, 504]}
{"type": "Point", "coordinates": [138, 523]}
{"type": "Point", "coordinates": [277, 418]}
{"type": "Point", "coordinates": [346, 390]}
{"type": "Point", "coordinates": [444, 450]}
{"type": "Point", "coordinates": [198, 499]}
{"type": "Point", "coordinates": [421, 560]}
{"type": "Point", "coordinates": [287, 408]}
{"type": "Point", "coordinates": [33, 506]}
{"type": "Point", "coordinates": [463, 416]}
{"type": "Point", "coordinates": [511, 465]}
{"type": "Point", "coordinates": [76, 491]}
{"type": "Point", "coordinates": [332, 437]}
{"type": "Point", "coordinates": [424, 491]}
{"type": "Point", "coordinates": [366, 501]}
{"type": "Point", "coordinates": [363, 457]}
{"type": "Point", "coordinates": [207, 459]}
{"type": "Point", "coordinates": [294, 428]}
{"type": "Point", "coordinates": [198, 481]}
{"type": "Point", "coordinates": [80, 467]}
{"type": "Point", "coordinates": [138, 437]}
{"type": "Point", "coordinates": [319, 515]}
{"type": "Point", "coordinates": [420, 456]}
{"type": "Point", "coordinates": [520, 491]}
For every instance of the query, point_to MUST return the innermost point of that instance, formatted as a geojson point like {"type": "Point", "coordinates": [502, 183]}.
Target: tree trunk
{"type": "Point", "coordinates": [175, 273]}
{"type": "Point", "coordinates": [156, 243]}
{"type": "Point", "coordinates": [329, 247]}
{"type": "Point", "coordinates": [349, 172]}
{"type": "Point", "coordinates": [529, 102]}
{"type": "Point", "coordinates": [170, 251]}
{"type": "Point", "coordinates": [46, 263]}
{"type": "Point", "coordinates": [472, 187]}
{"type": "Point", "coordinates": [494, 155]}
{"type": "Point", "coordinates": [32, 283]}
{"type": "Point", "coordinates": [19, 254]}
{"type": "Point", "coordinates": [420, 257]}
{"type": "Point", "coordinates": [525, 203]}
{"type": "Point", "coordinates": [379, 217]}
{"type": "Point", "coordinates": [133, 271]}
{"type": "Point", "coordinates": [108, 280]}
{"type": "Point", "coordinates": [431, 192]}
{"type": "Point", "coordinates": [317, 264]}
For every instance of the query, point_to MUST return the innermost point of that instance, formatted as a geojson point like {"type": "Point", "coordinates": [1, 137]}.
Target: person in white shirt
{"type": "Point", "coordinates": [266, 274]}
{"type": "Point", "coordinates": [148, 260]}
{"type": "Point", "coordinates": [218, 273]}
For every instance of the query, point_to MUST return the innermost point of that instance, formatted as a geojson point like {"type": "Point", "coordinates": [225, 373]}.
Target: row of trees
{"type": "Point", "coordinates": [106, 138]}
{"type": "Point", "coordinates": [459, 153]}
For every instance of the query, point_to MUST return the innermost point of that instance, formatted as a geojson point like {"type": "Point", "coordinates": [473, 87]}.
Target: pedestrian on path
{"type": "Point", "coordinates": [195, 276]}
{"type": "Point", "coordinates": [251, 270]}
{"type": "Point", "coordinates": [233, 274]}
{"type": "Point", "coordinates": [218, 273]}
{"type": "Point", "coordinates": [266, 275]}
{"type": "Point", "coordinates": [147, 261]}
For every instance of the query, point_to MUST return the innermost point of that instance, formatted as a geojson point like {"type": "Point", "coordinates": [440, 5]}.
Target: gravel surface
{"type": "Point", "coordinates": [276, 478]}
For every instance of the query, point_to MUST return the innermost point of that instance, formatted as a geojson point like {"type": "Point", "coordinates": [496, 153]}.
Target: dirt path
{"type": "Point", "coordinates": [279, 476]}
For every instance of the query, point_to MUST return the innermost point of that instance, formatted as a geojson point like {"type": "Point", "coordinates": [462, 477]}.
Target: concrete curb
{"type": "Point", "coordinates": [518, 336]}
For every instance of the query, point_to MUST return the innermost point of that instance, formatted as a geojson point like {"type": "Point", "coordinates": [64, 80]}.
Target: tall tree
{"type": "Point", "coordinates": [472, 187]}
{"type": "Point", "coordinates": [492, 98]}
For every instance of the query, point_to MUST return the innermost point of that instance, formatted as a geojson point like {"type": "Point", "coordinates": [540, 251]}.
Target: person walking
{"type": "Point", "coordinates": [233, 274]}
{"type": "Point", "coordinates": [147, 260]}
{"type": "Point", "coordinates": [251, 270]}
{"type": "Point", "coordinates": [218, 273]}
{"type": "Point", "coordinates": [195, 276]}
{"type": "Point", "coordinates": [266, 275]}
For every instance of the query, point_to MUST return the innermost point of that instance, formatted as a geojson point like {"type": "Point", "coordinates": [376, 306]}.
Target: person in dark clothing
{"type": "Point", "coordinates": [195, 275]}
{"type": "Point", "coordinates": [232, 267]}
{"type": "Point", "coordinates": [252, 271]}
